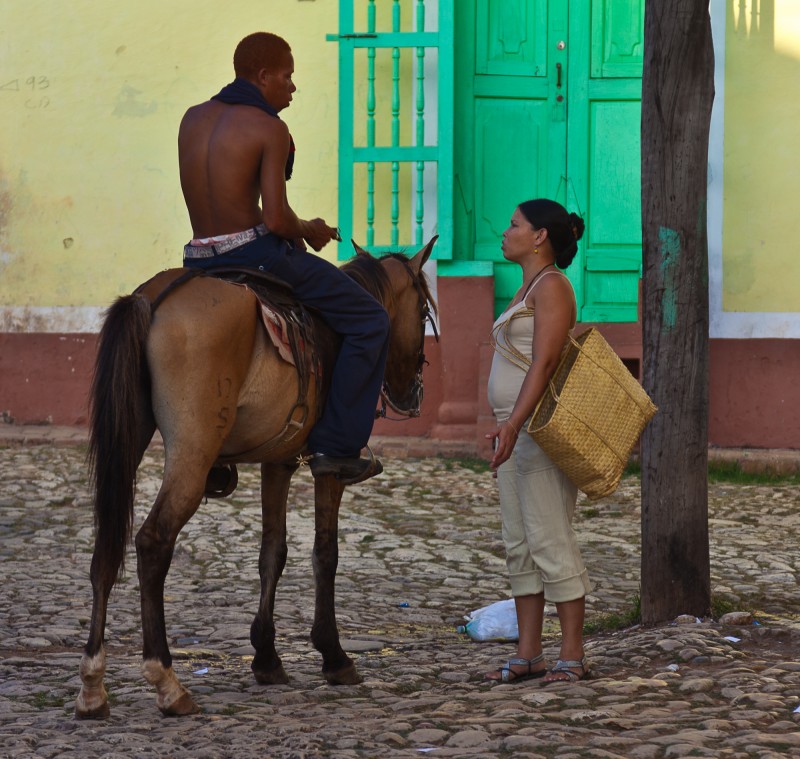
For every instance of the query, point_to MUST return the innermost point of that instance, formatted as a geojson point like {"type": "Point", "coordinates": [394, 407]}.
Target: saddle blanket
{"type": "Point", "coordinates": [275, 325]}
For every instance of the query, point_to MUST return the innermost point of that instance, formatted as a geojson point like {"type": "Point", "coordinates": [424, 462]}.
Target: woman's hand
{"type": "Point", "coordinates": [505, 438]}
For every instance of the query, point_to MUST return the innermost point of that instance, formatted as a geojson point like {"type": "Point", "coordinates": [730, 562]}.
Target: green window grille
{"type": "Point", "coordinates": [395, 151]}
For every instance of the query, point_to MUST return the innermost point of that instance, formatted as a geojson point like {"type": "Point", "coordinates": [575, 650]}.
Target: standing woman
{"type": "Point", "coordinates": [537, 501]}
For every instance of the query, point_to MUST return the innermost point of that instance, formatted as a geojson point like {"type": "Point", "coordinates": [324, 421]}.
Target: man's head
{"type": "Point", "coordinates": [261, 50]}
{"type": "Point", "coordinates": [266, 60]}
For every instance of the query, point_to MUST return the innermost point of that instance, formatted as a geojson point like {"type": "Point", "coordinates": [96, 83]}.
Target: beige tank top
{"type": "Point", "coordinates": [512, 340]}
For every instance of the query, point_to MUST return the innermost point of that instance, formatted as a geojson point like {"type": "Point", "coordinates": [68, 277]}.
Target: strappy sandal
{"type": "Point", "coordinates": [508, 675]}
{"type": "Point", "coordinates": [567, 667]}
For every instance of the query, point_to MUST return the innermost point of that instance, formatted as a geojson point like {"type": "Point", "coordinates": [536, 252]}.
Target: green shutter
{"type": "Point", "coordinates": [387, 153]}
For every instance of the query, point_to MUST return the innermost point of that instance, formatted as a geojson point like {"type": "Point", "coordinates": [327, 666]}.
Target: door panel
{"type": "Point", "coordinates": [506, 175]}
{"type": "Point", "coordinates": [614, 169]}
{"type": "Point", "coordinates": [617, 38]}
{"type": "Point", "coordinates": [610, 294]}
{"type": "Point", "coordinates": [511, 38]}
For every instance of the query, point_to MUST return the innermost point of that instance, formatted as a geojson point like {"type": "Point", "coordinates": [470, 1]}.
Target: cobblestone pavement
{"type": "Point", "coordinates": [420, 547]}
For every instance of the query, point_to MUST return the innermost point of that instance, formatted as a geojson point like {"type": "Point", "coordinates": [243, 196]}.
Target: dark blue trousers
{"type": "Point", "coordinates": [351, 312]}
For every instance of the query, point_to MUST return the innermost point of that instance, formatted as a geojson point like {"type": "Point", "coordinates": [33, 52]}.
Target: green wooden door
{"type": "Point", "coordinates": [547, 105]}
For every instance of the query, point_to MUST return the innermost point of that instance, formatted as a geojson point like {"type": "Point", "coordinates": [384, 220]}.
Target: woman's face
{"type": "Point", "coordinates": [519, 239]}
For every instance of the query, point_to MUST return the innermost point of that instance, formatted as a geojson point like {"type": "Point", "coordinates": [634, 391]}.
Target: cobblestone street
{"type": "Point", "coordinates": [419, 548]}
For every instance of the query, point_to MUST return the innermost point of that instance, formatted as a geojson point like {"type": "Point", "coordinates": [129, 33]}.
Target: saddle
{"type": "Point", "coordinates": [287, 321]}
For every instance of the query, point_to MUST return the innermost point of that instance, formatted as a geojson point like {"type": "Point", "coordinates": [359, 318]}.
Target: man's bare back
{"type": "Point", "coordinates": [220, 149]}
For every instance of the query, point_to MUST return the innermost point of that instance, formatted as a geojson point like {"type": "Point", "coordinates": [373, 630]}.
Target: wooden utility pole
{"type": "Point", "coordinates": [677, 95]}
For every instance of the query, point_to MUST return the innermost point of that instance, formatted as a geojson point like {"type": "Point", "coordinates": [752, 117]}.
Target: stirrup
{"type": "Point", "coordinates": [221, 481]}
{"type": "Point", "coordinates": [349, 470]}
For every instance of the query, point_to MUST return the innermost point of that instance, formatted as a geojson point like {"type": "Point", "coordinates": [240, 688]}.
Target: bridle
{"type": "Point", "coordinates": [416, 388]}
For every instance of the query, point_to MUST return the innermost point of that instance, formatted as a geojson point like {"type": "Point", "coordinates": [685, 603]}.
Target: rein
{"type": "Point", "coordinates": [417, 388]}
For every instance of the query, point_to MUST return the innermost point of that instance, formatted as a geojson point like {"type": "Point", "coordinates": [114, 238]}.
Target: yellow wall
{"type": "Point", "coordinates": [761, 157]}
{"type": "Point", "coordinates": [91, 98]}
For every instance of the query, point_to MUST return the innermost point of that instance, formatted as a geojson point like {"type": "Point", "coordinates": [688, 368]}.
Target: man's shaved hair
{"type": "Point", "coordinates": [261, 50]}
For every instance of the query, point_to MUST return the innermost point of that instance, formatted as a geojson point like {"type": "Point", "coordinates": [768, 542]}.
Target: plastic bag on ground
{"type": "Point", "coordinates": [498, 621]}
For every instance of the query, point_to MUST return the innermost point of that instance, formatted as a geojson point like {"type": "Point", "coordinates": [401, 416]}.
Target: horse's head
{"type": "Point", "coordinates": [399, 283]}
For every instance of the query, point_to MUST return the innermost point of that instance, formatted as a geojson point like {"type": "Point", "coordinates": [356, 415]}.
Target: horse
{"type": "Point", "coordinates": [189, 356]}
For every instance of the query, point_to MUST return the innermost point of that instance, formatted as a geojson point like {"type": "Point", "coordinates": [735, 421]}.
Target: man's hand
{"type": "Point", "coordinates": [318, 234]}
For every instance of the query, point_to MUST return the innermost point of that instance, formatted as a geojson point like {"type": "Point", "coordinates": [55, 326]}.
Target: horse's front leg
{"type": "Point", "coordinates": [275, 480]}
{"type": "Point", "coordinates": [337, 666]}
{"type": "Point", "coordinates": [177, 501]}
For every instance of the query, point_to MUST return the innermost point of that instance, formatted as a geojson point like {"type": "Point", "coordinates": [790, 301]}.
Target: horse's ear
{"type": "Point", "coordinates": [419, 260]}
{"type": "Point", "coordinates": [359, 250]}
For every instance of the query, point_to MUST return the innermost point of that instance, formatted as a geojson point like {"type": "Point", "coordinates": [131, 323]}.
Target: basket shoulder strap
{"type": "Point", "coordinates": [508, 350]}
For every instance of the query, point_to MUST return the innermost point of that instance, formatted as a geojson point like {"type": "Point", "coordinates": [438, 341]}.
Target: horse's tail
{"type": "Point", "coordinates": [120, 420]}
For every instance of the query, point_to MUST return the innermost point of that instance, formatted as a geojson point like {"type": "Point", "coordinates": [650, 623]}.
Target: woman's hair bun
{"type": "Point", "coordinates": [577, 225]}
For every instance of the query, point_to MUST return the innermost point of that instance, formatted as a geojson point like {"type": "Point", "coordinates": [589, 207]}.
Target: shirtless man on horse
{"type": "Point", "coordinates": [235, 157]}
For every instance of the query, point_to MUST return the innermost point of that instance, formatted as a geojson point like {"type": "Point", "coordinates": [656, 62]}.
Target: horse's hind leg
{"type": "Point", "coordinates": [337, 667]}
{"type": "Point", "coordinates": [275, 480]}
{"type": "Point", "coordinates": [92, 701]}
{"type": "Point", "coordinates": [178, 499]}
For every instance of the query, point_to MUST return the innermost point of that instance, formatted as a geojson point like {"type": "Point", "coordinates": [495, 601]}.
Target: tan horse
{"type": "Point", "coordinates": [191, 359]}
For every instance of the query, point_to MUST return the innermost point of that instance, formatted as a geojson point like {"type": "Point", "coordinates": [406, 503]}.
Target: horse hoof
{"type": "Point", "coordinates": [275, 676]}
{"type": "Point", "coordinates": [346, 676]}
{"type": "Point", "coordinates": [181, 707]}
{"type": "Point", "coordinates": [100, 712]}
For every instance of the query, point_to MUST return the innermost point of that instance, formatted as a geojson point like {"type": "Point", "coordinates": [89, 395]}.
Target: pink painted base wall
{"type": "Point", "coordinates": [45, 378]}
{"type": "Point", "coordinates": [754, 394]}
{"type": "Point", "coordinates": [754, 391]}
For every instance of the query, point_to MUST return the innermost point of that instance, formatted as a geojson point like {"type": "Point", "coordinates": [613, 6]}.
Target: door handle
{"type": "Point", "coordinates": [558, 76]}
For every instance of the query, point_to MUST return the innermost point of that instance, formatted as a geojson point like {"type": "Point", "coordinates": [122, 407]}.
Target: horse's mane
{"type": "Point", "coordinates": [368, 272]}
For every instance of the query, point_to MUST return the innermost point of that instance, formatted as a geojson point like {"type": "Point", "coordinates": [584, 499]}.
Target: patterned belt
{"type": "Point", "coordinates": [226, 244]}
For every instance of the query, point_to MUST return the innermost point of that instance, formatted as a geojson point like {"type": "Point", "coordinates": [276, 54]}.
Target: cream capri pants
{"type": "Point", "coordinates": [537, 503]}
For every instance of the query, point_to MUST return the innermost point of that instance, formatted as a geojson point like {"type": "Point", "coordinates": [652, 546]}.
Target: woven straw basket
{"type": "Point", "coordinates": [591, 415]}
